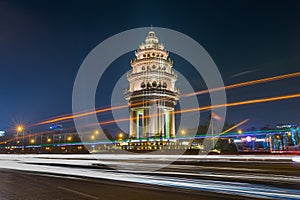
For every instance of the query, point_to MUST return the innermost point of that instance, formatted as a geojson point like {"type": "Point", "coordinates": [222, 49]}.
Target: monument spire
{"type": "Point", "coordinates": [152, 94]}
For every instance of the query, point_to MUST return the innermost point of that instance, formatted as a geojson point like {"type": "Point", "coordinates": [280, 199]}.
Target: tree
{"type": "Point", "coordinates": [107, 134]}
{"type": "Point", "coordinates": [266, 127]}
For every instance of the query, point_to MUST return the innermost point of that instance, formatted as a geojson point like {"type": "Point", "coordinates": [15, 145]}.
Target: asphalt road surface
{"type": "Point", "coordinates": [79, 177]}
{"type": "Point", "coordinates": [18, 185]}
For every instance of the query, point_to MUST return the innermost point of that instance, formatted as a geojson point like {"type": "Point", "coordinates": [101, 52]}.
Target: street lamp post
{"type": "Point", "coordinates": [20, 130]}
{"type": "Point", "coordinates": [120, 136]}
{"type": "Point", "coordinates": [183, 132]}
{"type": "Point", "coordinates": [92, 137]}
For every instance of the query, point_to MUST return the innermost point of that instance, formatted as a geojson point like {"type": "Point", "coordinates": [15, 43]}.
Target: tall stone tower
{"type": "Point", "coordinates": [152, 94]}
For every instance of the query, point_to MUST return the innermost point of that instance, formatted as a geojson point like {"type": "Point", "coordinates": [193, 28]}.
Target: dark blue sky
{"type": "Point", "coordinates": [42, 45]}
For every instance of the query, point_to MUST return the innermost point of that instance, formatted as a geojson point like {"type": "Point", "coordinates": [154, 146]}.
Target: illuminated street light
{"type": "Point", "coordinates": [96, 132]}
{"type": "Point", "coordinates": [183, 132]}
{"type": "Point", "coordinates": [69, 138]}
{"type": "Point", "coordinates": [32, 141]}
{"type": "Point", "coordinates": [278, 137]}
{"type": "Point", "coordinates": [20, 128]}
{"type": "Point", "coordinates": [240, 131]}
{"type": "Point", "coordinates": [120, 136]}
{"type": "Point", "coordinates": [92, 137]}
{"type": "Point", "coordinates": [49, 140]}
{"type": "Point", "coordinates": [20, 131]}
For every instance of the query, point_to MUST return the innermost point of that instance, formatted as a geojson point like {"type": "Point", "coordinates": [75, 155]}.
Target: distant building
{"type": "Point", "coordinates": [2, 133]}
{"type": "Point", "coordinates": [283, 126]}
{"type": "Point", "coordinates": [152, 94]}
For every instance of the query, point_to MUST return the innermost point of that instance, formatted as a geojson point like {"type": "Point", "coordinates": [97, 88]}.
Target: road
{"type": "Point", "coordinates": [18, 185]}
{"type": "Point", "coordinates": [80, 177]}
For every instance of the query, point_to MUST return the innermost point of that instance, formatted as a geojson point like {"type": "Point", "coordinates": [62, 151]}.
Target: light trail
{"type": "Point", "coordinates": [81, 115]}
{"type": "Point", "coordinates": [205, 108]}
{"type": "Point", "coordinates": [235, 126]}
{"type": "Point", "coordinates": [247, 83]}
{"type": "Point", "coordinates": [141, 173]}
{"type": "Point", "coordinates": [253, 101]}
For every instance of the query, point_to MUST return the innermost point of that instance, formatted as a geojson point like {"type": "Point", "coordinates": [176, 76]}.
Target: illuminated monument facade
{"type": "Point", "coordinates": [152, 94]}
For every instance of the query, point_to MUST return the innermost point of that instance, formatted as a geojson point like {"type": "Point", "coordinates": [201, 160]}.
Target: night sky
{"type": "Point", "coordinates": [42, 45]}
